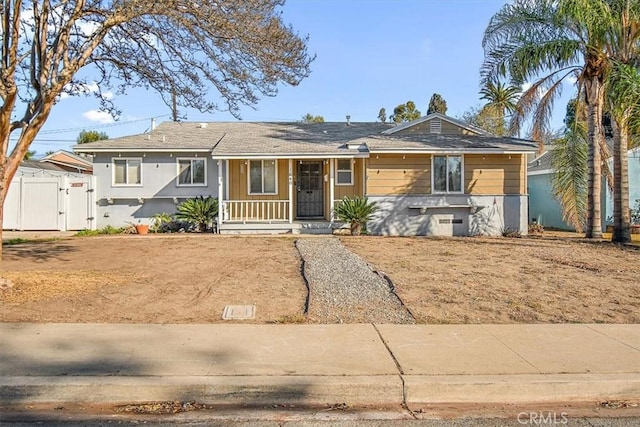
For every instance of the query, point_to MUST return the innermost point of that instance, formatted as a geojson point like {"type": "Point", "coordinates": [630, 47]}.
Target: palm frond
{"type": "Point", "coordinates": [569, 160]}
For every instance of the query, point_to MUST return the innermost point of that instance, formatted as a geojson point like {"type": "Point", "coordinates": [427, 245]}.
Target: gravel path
{"type": "Point", "coordinates": [344, 289]}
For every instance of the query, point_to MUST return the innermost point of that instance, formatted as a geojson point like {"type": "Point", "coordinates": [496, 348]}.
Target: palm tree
{"type": "Point", "coordinates": [502, 99]}
{"type": "Point", "coordinates": [558, 40]}
{"type": "Point", "coordinates": [624, 99]}
{"type": "Point", "coordinates": [623, 95]}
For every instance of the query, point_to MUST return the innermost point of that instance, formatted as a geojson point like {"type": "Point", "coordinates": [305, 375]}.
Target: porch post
{"type": "Point", "coordinates": [331, 188]}
{"type": "Point", "coordinates": [364, 177]}
{"type": "Point", "coordinates": [220, 195]}
{"type": "Point", "coordinates": [290, 191]}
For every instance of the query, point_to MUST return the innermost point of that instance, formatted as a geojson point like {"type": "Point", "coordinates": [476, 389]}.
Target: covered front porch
{"type": "Point", "coordinates": [285, 195]}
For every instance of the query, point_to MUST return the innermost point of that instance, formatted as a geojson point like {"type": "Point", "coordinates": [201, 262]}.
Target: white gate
{"type": "Point", "coordinates": [50, 203]}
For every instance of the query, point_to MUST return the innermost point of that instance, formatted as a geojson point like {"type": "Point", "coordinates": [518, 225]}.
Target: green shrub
{"type": "Point", "coordinates": [200, 211]}
{"type": "Point", "coordinates": [104, 230]}
{"type": "Point", "coordinates": [635, 213]}
{"type": "Point", "coordinates": [159, 220]}
{"type": "Point", "coordinates": [356, 211]}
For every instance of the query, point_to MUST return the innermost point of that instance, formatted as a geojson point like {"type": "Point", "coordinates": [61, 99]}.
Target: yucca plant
{"type": "Point", "coordinates": [356, 211]}
{"type": "Point", "coordinates": [199, 211]}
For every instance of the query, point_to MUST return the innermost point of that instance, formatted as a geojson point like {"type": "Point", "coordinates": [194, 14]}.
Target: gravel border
{"type": "Point", "coordinates": [344, 289]}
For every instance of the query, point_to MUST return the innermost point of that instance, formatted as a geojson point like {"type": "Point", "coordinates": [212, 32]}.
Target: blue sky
{"type": "Point", "coordinates": [370, 54]}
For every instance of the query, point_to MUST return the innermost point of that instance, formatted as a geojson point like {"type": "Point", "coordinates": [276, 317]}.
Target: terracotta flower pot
{"type": "Point", "coordinates": [142, 229]}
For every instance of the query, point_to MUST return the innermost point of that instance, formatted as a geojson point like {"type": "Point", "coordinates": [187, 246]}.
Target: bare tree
{"type": "Point", "coordinates": [239, 49]}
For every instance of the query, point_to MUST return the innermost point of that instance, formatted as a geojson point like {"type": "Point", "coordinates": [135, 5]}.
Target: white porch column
{"type": "Point", "coordinates": [364, 177]}
{"type": "Point", "coordinates": [220, 194]}
{"type": "Point", "coordinates": [332, 189]}
{"type": "Point", "coordinates": [290, 191]}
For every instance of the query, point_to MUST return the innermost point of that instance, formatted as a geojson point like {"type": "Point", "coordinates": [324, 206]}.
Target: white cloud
{"type": "Point", "coordinates": [540, 92]}
{"type": "Point", "coordinates": [101, 117]}
{"type": "Point", "coordinates": [84, 89]}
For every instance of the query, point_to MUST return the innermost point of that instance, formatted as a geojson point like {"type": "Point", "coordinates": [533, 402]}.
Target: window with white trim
{"type": "Point", "coordinates": [344, 172]}
{"type": "Point", "coordinates": [447, 174]}
{"type": "Point", "coordinates": [192, 172]}
{"type": "Point", "coordinates": [263, 177]}
{"type": "Point", "coordinates": [127, 171]}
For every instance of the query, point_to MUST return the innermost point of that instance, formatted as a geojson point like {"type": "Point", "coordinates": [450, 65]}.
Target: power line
{"type": "Point", "coordinates": [109, 125]}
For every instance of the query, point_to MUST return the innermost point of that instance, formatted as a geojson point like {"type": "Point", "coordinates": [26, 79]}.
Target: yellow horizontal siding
{"type": "Point", "coordinates": [393, 174]}
{"type": "Point", "coordinates": [494, 174]}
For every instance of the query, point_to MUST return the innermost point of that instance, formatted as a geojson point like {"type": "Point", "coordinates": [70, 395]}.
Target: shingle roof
{"type": "Point", "coordinates": [286, 139]}
{"type": "Point", "coordinates": [540, 163]}
{"type": "Point", "coordinates": [168, 135]}
{"type": "Point", "coordinates": [436, 142]}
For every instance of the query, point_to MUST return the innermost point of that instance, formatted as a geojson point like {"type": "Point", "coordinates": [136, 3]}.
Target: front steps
{"type": "Point", "coordinates": [297, 227]}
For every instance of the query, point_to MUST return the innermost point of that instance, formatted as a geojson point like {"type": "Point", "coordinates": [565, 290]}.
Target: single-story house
{"type": "Point", "coordinates": [545, 208]}
{"type": "Point", "coordinates": [432, 176]}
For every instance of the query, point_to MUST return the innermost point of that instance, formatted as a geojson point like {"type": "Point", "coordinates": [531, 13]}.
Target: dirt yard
{"type": "Point", "coordinates": [190, 278]}
{"type": "Point", "coordinates": [502, 280]}
{"type": "Point", "coordinates": [154, 279]}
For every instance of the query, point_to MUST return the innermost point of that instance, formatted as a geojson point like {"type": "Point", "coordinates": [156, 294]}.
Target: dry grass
{"type": "Point", "coordinates": [190, 278]}
{"type": "Point", "coordinates": [151, 279]}
{"type": "Point", "coordinates": [498, 280]}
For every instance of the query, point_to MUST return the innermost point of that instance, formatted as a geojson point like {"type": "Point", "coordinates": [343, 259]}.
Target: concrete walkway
{"type": "Point", "coordinates": [360, 365]}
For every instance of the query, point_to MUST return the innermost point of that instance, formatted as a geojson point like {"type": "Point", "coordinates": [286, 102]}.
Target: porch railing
{"type": "Point", "coordinates": [255, 210]}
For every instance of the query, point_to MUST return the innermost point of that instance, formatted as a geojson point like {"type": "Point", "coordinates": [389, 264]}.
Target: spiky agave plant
{"type": "Point", "coordinates": [200, 211]}
{"type": "Point", "coordinates": [356, 211]}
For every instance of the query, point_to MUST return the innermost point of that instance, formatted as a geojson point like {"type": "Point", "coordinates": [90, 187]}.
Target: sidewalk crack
{"type": "Point", "coordinates": [400, 372]}
{"type": "Point", "coordinates": [512, 350]}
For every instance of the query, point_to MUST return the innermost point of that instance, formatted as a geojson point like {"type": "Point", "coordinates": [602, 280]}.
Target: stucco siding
{"type": "Point", "coordinates": [117, 205]}
{"type": "Point", "coordinates": [544, 208]}
{"type": "Point", "coordinates": [444, 215]}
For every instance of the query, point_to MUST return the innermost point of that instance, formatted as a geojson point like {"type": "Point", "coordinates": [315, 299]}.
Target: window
{"type": "Point", "coordinates": [127, 171]}
{"type": "Point", "coordinates": [447, 174]}
{"type": "Point", "coordinates": [344, 172]}
{"type": "Point", "coordinates": [192, 172]}
{"type": "Point", "coordinates": [263, 176]}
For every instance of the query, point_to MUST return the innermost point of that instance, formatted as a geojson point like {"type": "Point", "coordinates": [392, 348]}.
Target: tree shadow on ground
{"type": "Point", "coordinates": [37, 251]}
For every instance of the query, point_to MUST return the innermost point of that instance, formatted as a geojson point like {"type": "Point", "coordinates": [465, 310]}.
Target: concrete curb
{"type": "Point", "coordinates": [223, 390]}
{"type": "Point", "coordinates": [517, 389]}
{"type": "Point", "coordinates": [385, 390]}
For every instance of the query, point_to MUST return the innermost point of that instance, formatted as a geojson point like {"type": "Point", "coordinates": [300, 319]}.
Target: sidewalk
{"type": "Point", "coordinates": [359, 365]}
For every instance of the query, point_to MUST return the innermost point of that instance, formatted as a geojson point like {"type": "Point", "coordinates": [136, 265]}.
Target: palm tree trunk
{"type": "Point", "coordinates": [621, 217]}
{"type": "Point", "coordinates": [594, 94]}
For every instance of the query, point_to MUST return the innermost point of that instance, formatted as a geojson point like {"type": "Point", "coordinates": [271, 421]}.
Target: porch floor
{"type": "Point", "coordinates": [297, 227]}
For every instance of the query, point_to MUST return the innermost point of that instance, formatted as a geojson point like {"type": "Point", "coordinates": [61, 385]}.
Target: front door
{"type": "Point", "coordinates": [309, 203]}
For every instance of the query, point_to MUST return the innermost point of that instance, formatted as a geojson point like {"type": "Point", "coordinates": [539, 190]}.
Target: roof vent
{"type": "Point", "coordinates": [348, 120]}
{"type": "Point", "coordinates": [202, 125]}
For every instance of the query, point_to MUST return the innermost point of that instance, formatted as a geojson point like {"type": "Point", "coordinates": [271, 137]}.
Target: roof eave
{"type": "Point", "coordinates": [141, 150]}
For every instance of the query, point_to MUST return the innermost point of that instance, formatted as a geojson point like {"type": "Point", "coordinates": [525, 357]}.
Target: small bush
{"type": "Point", "coordinates": [200, 211]}
{"type": "Point", "coordinates": [104, 230]}
{"type": "Point", "coordinates": [356, 211]}
{"type": "Point", "coordinates": [510, 232]}
{"type": "Point", "coordinates": [635, 213]}
{"type": "Point", "coordinates": [536, 228]}
{"type": "Point", "coordinates": [159, 220]}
